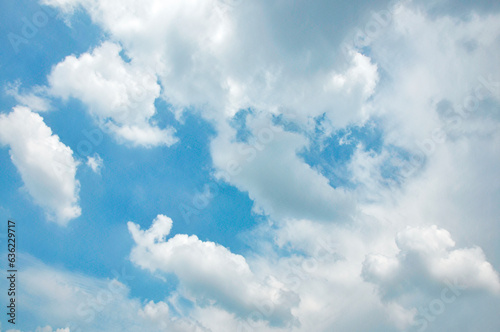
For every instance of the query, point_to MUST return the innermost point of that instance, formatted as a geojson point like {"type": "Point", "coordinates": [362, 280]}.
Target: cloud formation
{"type": "Point", "coordinates": [46, 165]}
{"type": "Point", "coordinates": [427, 254]}
{"type": "Point", "coordinates": [119, 94]}
{"type": "Point", "coordinates": [208, 271]}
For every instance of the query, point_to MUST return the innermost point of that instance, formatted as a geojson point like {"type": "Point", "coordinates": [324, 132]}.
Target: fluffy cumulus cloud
{"type": "Point", "coordinates": [427, 256]}
{"type": "Point", "coordinates": [46, 165]}
{"type": "Point", "coordinates": [209, 271]}
{"type": "Point", "coordinates": [206, 54]}
{"type": "Point", "coordinates": [120, 95]}
{"type": "Point", "coordinates": [428, 275]}
{"type": "Point", "coordinates": [156, 312]}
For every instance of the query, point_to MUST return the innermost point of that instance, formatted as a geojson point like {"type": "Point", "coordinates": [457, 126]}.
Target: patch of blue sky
{"type": "Point", "coordinates": [239, 123]}
{"type": "Point", "coordinates": [29, 28]}
{"type": "Point", "coordinates": [136, 184]}
{"type": "Point", "coordinates": [287, 123]}
{"type": "Point", "coordinates": [401, 164]}
{"type": "Point", "coordinates": [123, 54]}
{"type": "Point", "coordinates": [245, 135]}
{"type": "Point", "coordinates": [331, 155]}
{"type": "Point", "coordinates": [182, 307]}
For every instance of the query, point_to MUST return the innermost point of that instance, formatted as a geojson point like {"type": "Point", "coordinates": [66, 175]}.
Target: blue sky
{"type": "Point", "coordinates": [236, 165]}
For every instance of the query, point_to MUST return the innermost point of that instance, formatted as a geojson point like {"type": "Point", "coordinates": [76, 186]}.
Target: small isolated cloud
{"type": "Point", "coordinates": [119, 95]}
{"type": "Point", "coordinates": [210, 272]}
{"type": "Point", "coordinates": [426, 258]}
{"type": "Point", "coordinates": [30, 100]}
{"type": "Point", "coordinates": [46, 165]}
{"type": "Point", "coordinates": [95, 163]}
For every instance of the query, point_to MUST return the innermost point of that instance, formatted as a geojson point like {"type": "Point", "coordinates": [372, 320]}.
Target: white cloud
{"type": "Point", "coordinates": [427, 276]}
{"type": "Point", "coordinates": [427, 256]}
{"type": "Point", "coordinates": [428, 68]}
{"type": "Point", "coordinates": [46, 165]}
{"type": "Point", "coordinates": [280, 183]}
{"type": "Point", "coordinates": [207, 56]}
{"type": "Point", "coordinates": [365, 172]}
{"type": "Point", "coordinates": [157, 317]}
{"type": "Point", "coordinates": [457, 191]}
{"type": "Point", "coordinates": [95, 163]}
{"type": "Point", "coordinates": [30, 100]}
{"type": "Point", "coordinates": [157, 313]}
{"type": "Point", "coordinates": [84, 303]}
{"type": "Point", "coordinates": [323, 266]}
{"type": "Point", "coordinates": [120, 95]}
{"type": "Point", "coordinates": [208, 271]}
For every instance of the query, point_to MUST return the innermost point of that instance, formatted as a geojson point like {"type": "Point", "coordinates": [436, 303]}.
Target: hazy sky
{"type": "Point", "coordinates": [251, 165]}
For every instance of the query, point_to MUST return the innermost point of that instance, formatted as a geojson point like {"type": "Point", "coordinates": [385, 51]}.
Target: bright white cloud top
{"type": "Point", "coordinates": [118, 94]}
{"type": "Point", "coordinates": [348, 153]}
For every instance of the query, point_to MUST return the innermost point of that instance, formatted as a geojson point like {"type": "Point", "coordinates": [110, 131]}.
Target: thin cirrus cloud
{"type": "Point", "coordinates": [31, 100]}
